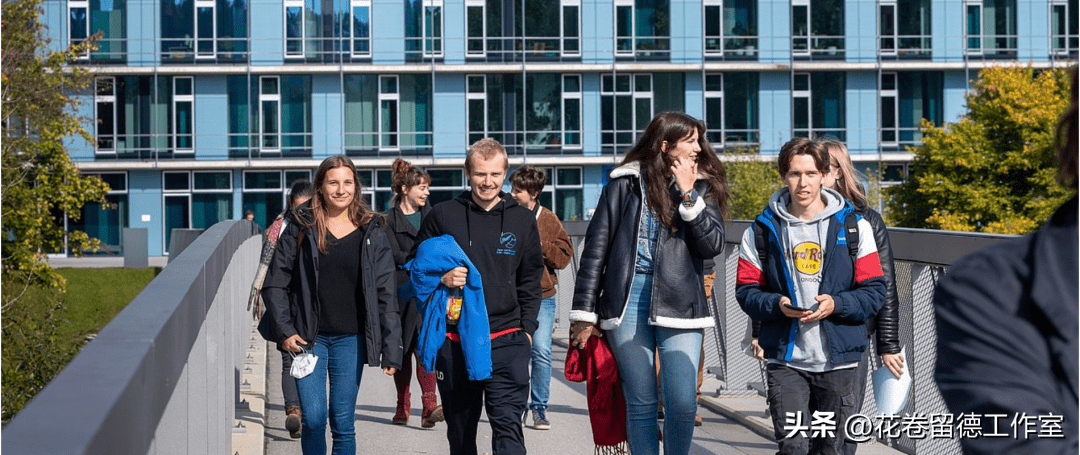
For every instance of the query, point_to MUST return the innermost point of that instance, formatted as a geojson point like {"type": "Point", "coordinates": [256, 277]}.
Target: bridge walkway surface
{"type": "Point", "coordinates": [570, 432]}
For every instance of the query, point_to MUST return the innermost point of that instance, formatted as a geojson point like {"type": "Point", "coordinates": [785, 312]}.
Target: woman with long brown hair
{"type": "Point", "coordinates": [640, 278]}
{"type": "Point", "coordinates": [330, 291]}
{"type": "Point", "coordinates": [408, 209]}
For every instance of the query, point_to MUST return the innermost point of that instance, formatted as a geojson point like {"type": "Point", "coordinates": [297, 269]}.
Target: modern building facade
{"type": "Point", "coordinates": [203, 109]}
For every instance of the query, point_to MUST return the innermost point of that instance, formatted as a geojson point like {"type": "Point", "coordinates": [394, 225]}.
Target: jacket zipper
{"type": "Point", "coordinates": [633, 265]}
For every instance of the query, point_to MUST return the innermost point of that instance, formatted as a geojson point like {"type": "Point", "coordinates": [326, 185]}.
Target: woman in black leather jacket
{"type": "Point", "coordinates": [886, 324]}
{"type": "Point", "coordinates": [640, 276]}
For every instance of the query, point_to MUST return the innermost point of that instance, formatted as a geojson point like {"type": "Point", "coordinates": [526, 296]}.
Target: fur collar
{"type": "Point", "coordinates": [634, 169]}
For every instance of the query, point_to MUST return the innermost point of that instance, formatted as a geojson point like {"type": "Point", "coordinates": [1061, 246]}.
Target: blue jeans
{"type": "Point", "coordinates": [339, 355]}
{"type": "Point", "coordinates": [541, 355]}
{"type": "Point", "coordinates": [633, 343]}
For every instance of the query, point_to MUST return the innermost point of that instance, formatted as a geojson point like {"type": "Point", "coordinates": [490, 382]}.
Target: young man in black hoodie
{"type": "Point", "coordinates": [501, 239]}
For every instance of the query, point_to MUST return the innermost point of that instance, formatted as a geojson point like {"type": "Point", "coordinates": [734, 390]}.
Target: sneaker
{"type": "Point", "coordinates": [540, 421]}
{"type": "Point", "coordinates": [435, 416]}
{"type": "Point", "coordinates": [292, 421]}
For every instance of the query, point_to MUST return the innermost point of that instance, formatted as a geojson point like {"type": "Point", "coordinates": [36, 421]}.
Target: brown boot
{"type": "Point", "coordinates": [401, 417]}
{"type": "Point", "coordinates": [292, 421]}
{"type": "Point", "coordinates": [433, 417]}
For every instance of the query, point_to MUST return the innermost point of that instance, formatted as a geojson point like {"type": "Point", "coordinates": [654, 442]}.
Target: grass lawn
{"type": "Point", "coordinates": [95, 296]}
{"type": "Point", "coordinates": [40, 337]}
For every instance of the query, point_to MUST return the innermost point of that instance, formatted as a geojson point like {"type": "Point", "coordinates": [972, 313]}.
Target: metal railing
{"type": "Point", "coordinates": [163, 376]}
{"type": "Point", "coordinates": [920, 258]}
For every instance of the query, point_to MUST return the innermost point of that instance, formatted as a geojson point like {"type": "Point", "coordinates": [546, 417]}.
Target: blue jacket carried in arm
{"type": "Point", "coordinates": [434, 257]}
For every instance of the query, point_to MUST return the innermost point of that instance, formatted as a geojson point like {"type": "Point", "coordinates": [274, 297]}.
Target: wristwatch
{"type": "Point", "coordinates": [689, 198]}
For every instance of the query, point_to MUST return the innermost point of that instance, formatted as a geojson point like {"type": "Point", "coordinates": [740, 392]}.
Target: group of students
{"type": "Point", "coordinates": [478, 276]}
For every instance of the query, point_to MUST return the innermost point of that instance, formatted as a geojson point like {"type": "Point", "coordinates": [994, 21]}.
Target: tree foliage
{"type": "Point", "coordinates": [992, 171]}
{"type": "Point", "coordinates": [39, 181]}
{"type": "Point", "coordinates": [752, 181]}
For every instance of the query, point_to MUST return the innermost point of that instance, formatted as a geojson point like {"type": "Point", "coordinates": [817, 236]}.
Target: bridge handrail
{"type": "Point", "coordinates": [114, 393]}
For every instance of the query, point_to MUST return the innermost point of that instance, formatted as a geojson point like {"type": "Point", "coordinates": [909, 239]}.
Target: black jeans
{"type": "Point", "coordinates": [796, 391]}
{"type": "Point", "coordinates": [504, 396]}
{"type": "Point", "coordinates": [288, 383]}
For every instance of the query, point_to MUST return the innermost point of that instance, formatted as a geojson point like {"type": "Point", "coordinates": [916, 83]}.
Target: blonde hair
{"type": "Point", "coordinates": [487, 148]}
{"type": "Point", "coordinates": [848, 182]}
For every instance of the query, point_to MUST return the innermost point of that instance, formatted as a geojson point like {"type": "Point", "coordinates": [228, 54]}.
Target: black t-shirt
{"type": "Point", "coordinates": [339, 270]}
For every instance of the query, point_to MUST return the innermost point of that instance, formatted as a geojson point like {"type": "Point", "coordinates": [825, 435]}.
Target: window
{"type": "Point", "coordinates": [195, 200]}
{"type": "Point", "coordinates": [476, 111]}
{"type": "Point", "coordinates": [571, 111]}
{"type": "Point", "coordinates": [626, 106]}
{"type": "Point", "coordinates": [382, 118]}
{"type": "Point", "coordinates": [388, 112]}
{"type": "Point", "coordinates": [906, 99]}
{"type": "Point", "coordinates": [818, 104]}
{"type": "Point", "coordinates": [269, 115]}
{"type": "Point", "coordinates": [446, 184]}
{"type": "Point", "coordinates": [378, 191]}
{"type": "Point", "coordinates": [550, 28]}
{"type": "Point", "coordinates": [483, 27]}
{"type": "Point", "coordinates": [295, 25]}
{"type": "Point", "coordinates": [105, 221]}
{"type": "Point", "coordinates": [731, 109]}
{"type": "Point", "coordinates": [1064, 28]}
{"type": "Point", "coordinates": [87, 17]}
{"type": "Point", "coordinates": [990, 26]}
{"type": "Point", "coordinates": [817, 29]}
{"type": "Point", "coordinates": [361, 28]}
{"type": "Point", "coordinates": [495, 109]}
{"type": "Point", "coordinates": [193, 30]}
{"type": "Point", "coordinates": [78, 22]}
{"type": "Point", "coordinates": [183, 137]}
{"type": "Point", "coordinates": [730, 28]}
{"type": "Point", "coordinates": [105, 107]}
{"type": "Point", "coordinates": [642, 28]}
{"type": "Point", "coordinates": [145, 117]}
{"type": "Point", "coordinates": [563, 193]}
{"type": "Point", "coordinates": [423, 28]}
{"type": "Point", "coordinates": [264, 192]}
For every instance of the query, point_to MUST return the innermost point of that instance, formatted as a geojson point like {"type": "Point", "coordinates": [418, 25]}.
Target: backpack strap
{"type": "Point", "coordinates": [851, 230]}
{"type": "Point", "coordinates": [760, 242]}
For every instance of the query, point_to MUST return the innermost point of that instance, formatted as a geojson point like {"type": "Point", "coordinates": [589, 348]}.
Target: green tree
{"type": "Point", "coordinates": [39, 184]}
{"type": "Point", "coordinates": [752, 181]}
{"type": "Point", "coordinates": [992, 171]}
{"type": "Point", "coordinates": [39, 180]}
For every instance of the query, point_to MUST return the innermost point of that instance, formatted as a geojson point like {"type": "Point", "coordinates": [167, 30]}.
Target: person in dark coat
{"type": "Point", "coordinates": [330, 291]}
{"type": "Point", "coordinates": [641, 274]}
{"type": "Point", "coordinates": [407, 211]}
{"type": "Point", "coordinates": [1007, 325]}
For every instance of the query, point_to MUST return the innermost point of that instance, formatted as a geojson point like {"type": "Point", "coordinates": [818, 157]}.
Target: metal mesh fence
{"type": "Point", "coordinates": [742, 375]}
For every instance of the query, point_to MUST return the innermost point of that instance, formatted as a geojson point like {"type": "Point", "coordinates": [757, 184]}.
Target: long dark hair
{"type": "Point", "coordinates": [671, 127]}
{"type": "Point", "coordinates": [406, 175]}
{"type": "Point", "coordinates": [359, 213]}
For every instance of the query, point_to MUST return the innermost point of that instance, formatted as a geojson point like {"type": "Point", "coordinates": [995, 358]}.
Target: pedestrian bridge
{"type": "Point", "coordinates": [180, 370]}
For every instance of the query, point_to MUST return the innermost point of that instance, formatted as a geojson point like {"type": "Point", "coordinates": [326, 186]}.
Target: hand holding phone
{"type": "Point", "coordinates": [790, 310]}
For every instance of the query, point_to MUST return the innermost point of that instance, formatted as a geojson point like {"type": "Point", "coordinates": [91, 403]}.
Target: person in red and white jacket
{"type": "Point", "coordinates": [811, 297]}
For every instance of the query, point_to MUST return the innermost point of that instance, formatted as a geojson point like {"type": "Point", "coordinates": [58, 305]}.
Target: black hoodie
{"type": "Point", "coordinates": [504, 244]}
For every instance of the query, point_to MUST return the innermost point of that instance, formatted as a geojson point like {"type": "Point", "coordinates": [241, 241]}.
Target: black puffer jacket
{"type": "Point", "coordinates": [291, 289]}
{"type": "Point", "coordinates": [887, 320]}
{"type": "Point", "coordinates": [610, 253]}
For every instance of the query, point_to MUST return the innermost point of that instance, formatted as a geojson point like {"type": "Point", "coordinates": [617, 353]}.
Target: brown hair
{"type": "Point", "coordinates": [487, 148]}
{"type": "Point", "coordinates": [1067, 141]}
{"type": "Point", "coordinates": [802, 146]}
{"type": "Point", "coordinates": [670, 127]}
{"type": "Point", "coordinates": [530, 179]}
{"type": "Point", "coordinates": [406, 176]}
{"type": "Point", "coordinates": [848, 183]}
{"type": "Point", "coordinates": [359, 213]}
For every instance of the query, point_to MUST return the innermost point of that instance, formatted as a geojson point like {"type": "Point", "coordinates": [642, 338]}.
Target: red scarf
{"type": "Point", "coordinates": [607, 407]}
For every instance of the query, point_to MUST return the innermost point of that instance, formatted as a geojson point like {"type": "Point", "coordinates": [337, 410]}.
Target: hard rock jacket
{"type": "Point", "coordinates": [610, 252]}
